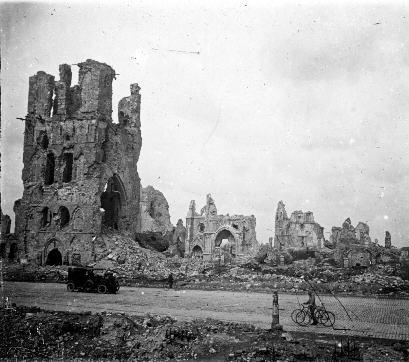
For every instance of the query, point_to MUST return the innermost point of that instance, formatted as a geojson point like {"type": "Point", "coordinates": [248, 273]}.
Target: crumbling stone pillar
{"type": "Point", "coordinates": [388, 240]}
{"type": "Point", "coordinates": [40, 94]}
{"type": "Point", "coordinates": [62, 91]}
{"type": "Point", "coordinates": [96, 88]}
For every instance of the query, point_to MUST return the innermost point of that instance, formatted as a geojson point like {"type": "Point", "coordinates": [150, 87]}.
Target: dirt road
{"type": "Point", "coordinates": [381, 318]}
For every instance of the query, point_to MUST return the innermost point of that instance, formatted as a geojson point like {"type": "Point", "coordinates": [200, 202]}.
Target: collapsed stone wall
{"type": "Point", "coordinates": [80, 169]}
{"type": "Point", "coordinates": [297, 231]}
{"type": "Point", "coordinates": [349, 235]}
{"type": "Point", "coordinates": [178, 246]}
{"type": "Point", "coordinates": [8, 242]}
{"type": "Point", "coordinates": [210, 234]}
{"type": "Point", "coordinates": [154, 211]}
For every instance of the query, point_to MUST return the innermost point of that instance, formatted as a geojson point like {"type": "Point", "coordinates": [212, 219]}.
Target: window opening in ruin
{"type": "Point", "coordinates": [54, 257]}
{"type": "Point", "coordinates": [3, 250]}
{"type": "Point", "coordinates": [13, 251]}
{"type": "Point", "coordinates": [224, 235]}
{"type": "Point", "coordinates": [78, 219]}
{"type": "Point", "coordinates": [235, 226]}
{"type": "Point", "coordinates": [112, 201]}
{"type": "Point", "coordinates": [49, 169]}
{"type": "Point", "coordinates": [201, 227]}
{"type": "Point", "coordinates": [68, 161]}
{"type": "Point", "coordinates": [53, 109]}
{"type": "Point", "coordinates": [45, 217]}
{"type": "Point", "coordinates": [64, 216]}
{"type": "Point", "coordinates": [151, 210]}
{"type": "Point", "coordinates": [197, 252]}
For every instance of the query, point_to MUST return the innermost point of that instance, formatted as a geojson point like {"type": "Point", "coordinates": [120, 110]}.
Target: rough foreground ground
{"type": "Point", "coordinates": [29, 333]}
{"type": "Point", "coordinates": [370, 317]}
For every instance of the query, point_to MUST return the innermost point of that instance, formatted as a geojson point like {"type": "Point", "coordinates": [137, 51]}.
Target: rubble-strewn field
{"type": "Point", "coordinates": [378, 280]}
{"type": "Point", "coordinates": [137, 266]}
{"type": "Point", "coordinates": [28, 333]}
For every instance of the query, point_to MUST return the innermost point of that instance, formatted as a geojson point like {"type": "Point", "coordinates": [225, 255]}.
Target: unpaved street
{"type": "Point", "coordinates": [382, 318]}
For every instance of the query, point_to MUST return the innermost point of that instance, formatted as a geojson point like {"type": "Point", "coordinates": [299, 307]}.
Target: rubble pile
{"type": "Point", "coordinates": [31, 333]}
{"type": "Point", "coordinates": [138, 266]}
{"type": "Point", "coordinates": [300, 278]}
{"type": "Point", "coordinates": [34, 273]}
{"type": "Point", "coordinates": [131, 261]}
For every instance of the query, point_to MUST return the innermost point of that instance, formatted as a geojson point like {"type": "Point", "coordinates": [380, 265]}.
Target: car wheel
{"type": "Point", "coordinates": [102, 289]}
{"type": "Point", "coordinates": [70, 286]}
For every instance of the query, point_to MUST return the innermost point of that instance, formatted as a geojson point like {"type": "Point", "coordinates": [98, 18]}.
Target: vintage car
{"type": "Point", "coordinates": [92, 280]}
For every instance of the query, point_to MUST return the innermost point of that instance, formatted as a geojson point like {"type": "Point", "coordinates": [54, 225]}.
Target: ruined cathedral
{"type": "Point", "coordinates": [80, 169]}
{"type": "Point", "coordinates": [210, 235]}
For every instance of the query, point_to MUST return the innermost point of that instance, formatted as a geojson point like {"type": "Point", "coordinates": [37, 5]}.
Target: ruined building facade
{"type": "Point", "coordinates": [210, 235]}
{"type": "Point", "coordinates": [80, 169]}
{"type": "Point", "coordinates": [297, 231]}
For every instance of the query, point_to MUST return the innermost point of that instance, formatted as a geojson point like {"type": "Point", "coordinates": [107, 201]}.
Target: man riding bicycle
{"type": "Point", "coordinates": [312, 306]}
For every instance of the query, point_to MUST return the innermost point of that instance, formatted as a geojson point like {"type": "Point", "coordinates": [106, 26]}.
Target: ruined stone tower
{"type": "Point", "coordinates": [210, 235]}
{"type": "Point", "coordinates": [297, 231]}
{"type": "Point", "coordinates": [80, 169]}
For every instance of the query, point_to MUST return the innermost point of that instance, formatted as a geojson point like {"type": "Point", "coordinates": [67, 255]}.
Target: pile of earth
{"type": "Point", "coordinates": [32, 333]}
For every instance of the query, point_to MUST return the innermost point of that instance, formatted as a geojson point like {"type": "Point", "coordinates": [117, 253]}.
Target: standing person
{"type": "Point", "coordinates": [170, 280]}
{"type": "Point", "coordinates": [312, 306]}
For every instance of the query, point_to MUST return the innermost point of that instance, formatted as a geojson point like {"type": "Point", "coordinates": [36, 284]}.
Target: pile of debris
{"type": "Point", "coordinates": [138, 266]}
{"type": "Point", "coordinates": [34, 273]}
{"type": "Point", "coordinates": [31, 333]}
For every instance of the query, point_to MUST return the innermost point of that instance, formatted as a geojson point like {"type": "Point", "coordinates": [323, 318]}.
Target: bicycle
{"type": "Point", "coordinates": [303, 317]}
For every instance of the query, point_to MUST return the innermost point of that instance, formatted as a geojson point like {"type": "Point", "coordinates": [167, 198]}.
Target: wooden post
{"type": "Point", "coordinates": [275, 323]}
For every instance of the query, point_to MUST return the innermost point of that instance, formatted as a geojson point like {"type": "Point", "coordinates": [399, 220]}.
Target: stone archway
{"type": "Point", "coordinates": [13, 251]}
{"type": "Point", "coordinates": [222, 235]}
{"type": "Point", "coordinates": [197, 252]}
{"type": "Point", "coordinates": [113, 201]}
{"type": "Point", "coordinates": [225, 241]}
{"type": "Point", "coordinates": [52, 255]}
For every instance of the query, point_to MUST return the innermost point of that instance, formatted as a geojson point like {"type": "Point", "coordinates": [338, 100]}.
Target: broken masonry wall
{"type": "Point", "coordinates": [205, 232]}
{"type": "Point", "coordinates": [297, 231]}
{"type": "Point", "coordinates": [8, 242]}
{"type": "Point", "coordinates": [179, 239]}
{"type": "Point", "coordinates": [154, 211]}
{"type": "Point", "coordinates": [69, 157]}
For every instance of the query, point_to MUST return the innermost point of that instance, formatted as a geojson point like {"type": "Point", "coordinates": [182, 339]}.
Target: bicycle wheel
{"type": "Point", "coordinates": [303, 318]}
{"type": "Point", "coordinates": [329, 319]}
{"type": "Point", "coordinates": [294, 314]}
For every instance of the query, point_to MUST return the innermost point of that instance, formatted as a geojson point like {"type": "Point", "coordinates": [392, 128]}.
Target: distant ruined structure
{"type": "Point", "coordinates": [154, 211]}
{"type": "Point", "coordinates": [349, 235]}
{"type": "Point", "coordinates": [352, 246]}
{"type": "Point", "coordinates": [388, 240]}
{"type": "Point", "coordinates": [80, 169]}
{"type": "Point", "coordinates": [297, 231]}
{"type": "Point", "coordinates": [210, 235]}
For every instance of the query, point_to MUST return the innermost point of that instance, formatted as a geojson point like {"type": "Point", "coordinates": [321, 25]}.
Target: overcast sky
{"type": "Point", "coordinates": [251, 102]}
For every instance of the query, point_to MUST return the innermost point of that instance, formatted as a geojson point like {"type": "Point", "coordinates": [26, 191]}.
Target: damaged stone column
{"type": "Point", "coordinates": [129, 108]}
{"type": "Point", "coordinates": [95, 81]}
{"type": "Point", "coordinates": [62, 91]}
{"type": "Point", "coordinates": [40, 94]}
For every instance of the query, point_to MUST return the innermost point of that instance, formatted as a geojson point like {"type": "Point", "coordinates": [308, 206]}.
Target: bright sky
{"type": "Point", "coordinates": [251, 102]}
